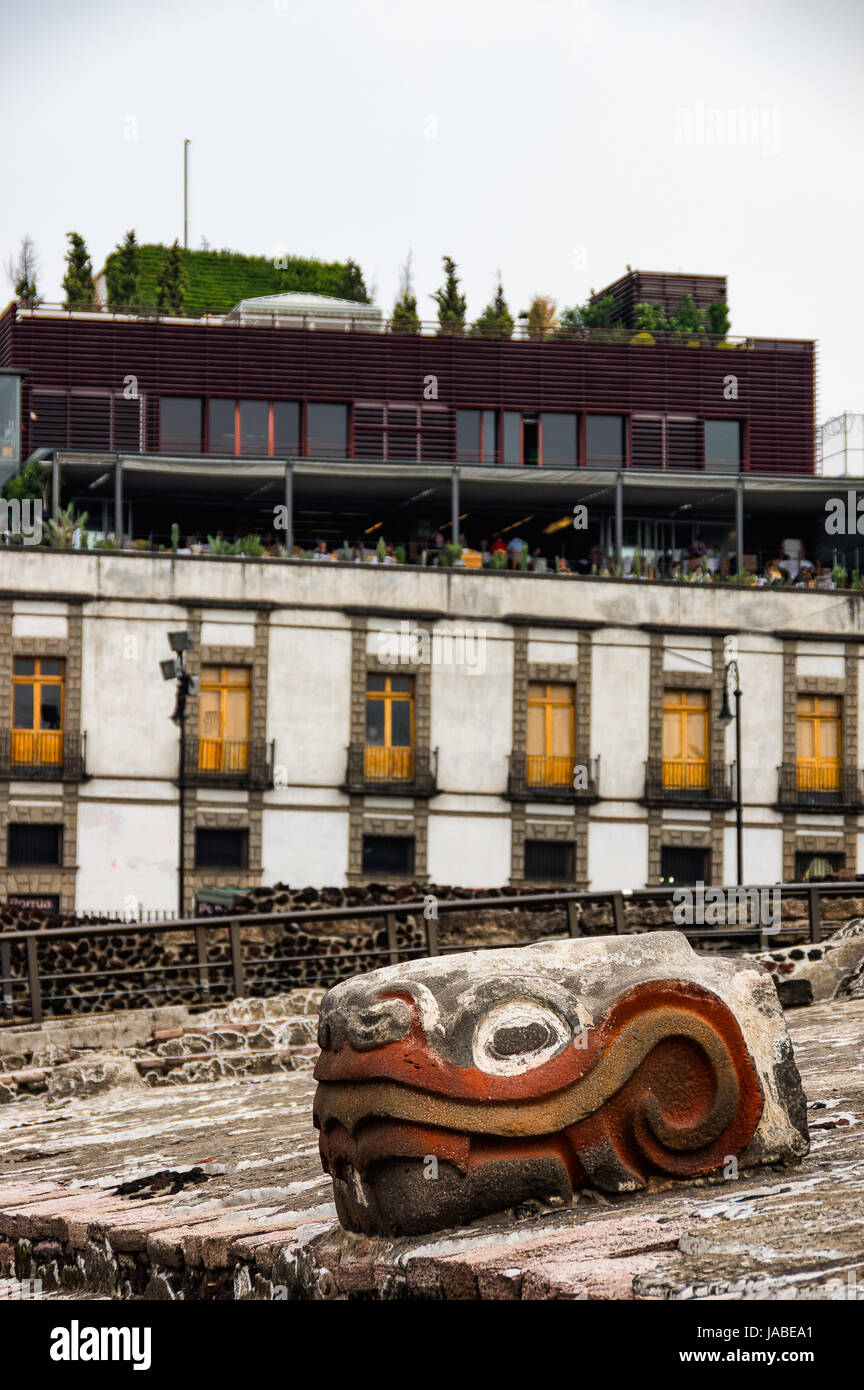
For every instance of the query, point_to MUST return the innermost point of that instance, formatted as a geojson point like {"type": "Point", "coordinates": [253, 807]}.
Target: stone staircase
{"type": "Point", "coordinates": [248, 1037]}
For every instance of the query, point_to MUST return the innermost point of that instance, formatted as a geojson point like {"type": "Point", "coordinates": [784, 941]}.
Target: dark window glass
{"type": "Point", "coordinates": [388, 854]}
{"type": "Point", "coordinates": [254, 427]}
{"type": "Point", "coordinates": [684, 865]}
{"type": "Point", "coordinates": [10, 419]}
{"type": "Point", "coordinates": [221, 849]}
{"type": "Point", "coordinates": [560, 439]}
{"type": "Point", "coordinates": [222, 427]}
{"type": "Point", "coordinates": [34, 844]}
{"type": "Point", "coordinates": [51, 704]}
{"type": "Point", "coordinates": [723, 445]}
{"type": "Point", "coordinates": [50, 667]}
{"type": "Point", "coordinates": [605, 441]}
{"type": "Point", "coordinates": [400, 722]}
{"type": "Point", "coordinates": [375, 723]}
{"type": "Point", "coordinates": [181, 419]}
{"type": "Point", "coordinates": [490, 436]}
{"type": "Point", "coordinates": [548, 859]}
{"type": "Point", "coordinates": [468, 435]}
{"type": "Point", "coordinates": [531, 438]}
{"type": "Point", "coordinates": [375, 682]}
{"type": "Point", "coordinates": [25, 666]}
{"type": "Point", "coordinates": [512, 442]}
{"type": "Point", "coordinates": [286, 427]}
{"type": "Point", "coordinates": [327, 430]}
{"type": "Point", "coordinates": [22, 706]}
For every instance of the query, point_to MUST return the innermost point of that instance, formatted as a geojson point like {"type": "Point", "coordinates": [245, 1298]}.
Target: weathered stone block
{"type": "Point", "coordinates": [808, 974]}
{"type": "Point", "coordinates": [454, 1087]}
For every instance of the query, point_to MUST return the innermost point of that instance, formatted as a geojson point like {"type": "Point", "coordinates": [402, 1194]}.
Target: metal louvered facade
{"type": "Point", "coordinates": [406, 390]}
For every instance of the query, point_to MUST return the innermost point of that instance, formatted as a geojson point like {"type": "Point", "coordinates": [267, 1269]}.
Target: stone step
{"type": "Point", "coordinates": [218, 1066]}
{"type": "Point", "coordinates": [261, 1035]}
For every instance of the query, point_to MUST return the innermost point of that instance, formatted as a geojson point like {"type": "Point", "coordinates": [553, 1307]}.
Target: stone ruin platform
{"type": "Point", "coordinates": [223, 1197]}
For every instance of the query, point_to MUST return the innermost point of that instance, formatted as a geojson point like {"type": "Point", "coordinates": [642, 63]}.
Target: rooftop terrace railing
{"type": "Point", "coordinates": [324, 321]}
{"type": "Point", "coordinates": [213, 970]}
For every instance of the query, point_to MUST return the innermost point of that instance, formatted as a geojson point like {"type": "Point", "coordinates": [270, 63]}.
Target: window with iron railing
{"type": "Point", "coordinates": [389, 755]}
{"type": "Point", "coordinates": [685, 740]}
{"type": "Point", "coordinates": [818, 731]}
{"type": "Point", "coordinates": [223, 719]}
{"type": "Point", "coordinates": [38, 708]}
{"type": "Point", "coordinates": [550, 732]}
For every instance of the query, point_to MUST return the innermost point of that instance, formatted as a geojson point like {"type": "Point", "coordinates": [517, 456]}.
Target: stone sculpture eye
{"type": "Point", "coordinates": [517, 1036]}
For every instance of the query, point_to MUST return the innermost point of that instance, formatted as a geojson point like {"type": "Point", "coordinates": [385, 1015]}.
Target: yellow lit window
{"type": "Point", "coordinates": [223, 719]}
{"type": "Point", "coordinates": [389, 728]}
{"type": "Point", "coordinates": [38, 705]}
{"type": "Point", "coordinates": [551, 721]}
{"type": "Point", "coordinates": [685, 740]}
{"type": "Point", "coordinates": [818, 736]}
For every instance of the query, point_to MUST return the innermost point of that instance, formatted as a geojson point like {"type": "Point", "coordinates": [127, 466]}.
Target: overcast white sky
{"type": "Point", "coordinates": [568, 138]}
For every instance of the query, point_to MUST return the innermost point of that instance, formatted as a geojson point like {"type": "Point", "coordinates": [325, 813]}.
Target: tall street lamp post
{"type": "Point", "coordinates": [175, 670]}
{"type": "Point", "coordinates": [726, 716]}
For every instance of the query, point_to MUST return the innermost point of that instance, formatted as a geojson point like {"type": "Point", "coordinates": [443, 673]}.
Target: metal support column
{"type": "Point", "coordinates": [55, 487]}
{"type": "Point", "coordinates": [118, 500]}
{"type": "Point", "coordinates": [454, 506]}
{"type": "Point", "coordinates": [739, 522]}
{"type": "Point", "coordinates": [619, 520]}
{"type": "Point", "coordinates": [289, 508]}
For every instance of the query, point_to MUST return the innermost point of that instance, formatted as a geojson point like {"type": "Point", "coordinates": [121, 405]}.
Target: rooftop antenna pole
{"type": "Point", "coordinates": [186, 144]}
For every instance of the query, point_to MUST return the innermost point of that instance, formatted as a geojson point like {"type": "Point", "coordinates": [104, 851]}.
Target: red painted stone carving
{"type": "Point", "coordinates": [455, 1087]}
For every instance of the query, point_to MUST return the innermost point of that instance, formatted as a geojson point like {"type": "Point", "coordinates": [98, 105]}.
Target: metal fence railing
{"type": "Point", "coordinates": [553, 778]}
{"type": "Point", "coordinates": [675, 780]}
{"type": "Point", "coordinates": [223, 956]}
{"type": "Point", "coordinates": [828, 785]}
{"type": "Point", "coordinates": [366, 320]}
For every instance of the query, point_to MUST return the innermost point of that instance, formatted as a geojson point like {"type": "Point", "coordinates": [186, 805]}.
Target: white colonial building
{"type": "Point", "coordinates": [363, 722]}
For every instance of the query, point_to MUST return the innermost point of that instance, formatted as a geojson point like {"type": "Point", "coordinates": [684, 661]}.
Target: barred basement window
{"type": "Point", "coordinates": [549, 860]}
{"type": "Point", "coordinates": [34, 845]}
{"type": "Point", "coordinates": [682, 864]}
{"type": "Point", "coordinates": [221, 849]}
{"type": "Point", "coordinates": [388, 854]}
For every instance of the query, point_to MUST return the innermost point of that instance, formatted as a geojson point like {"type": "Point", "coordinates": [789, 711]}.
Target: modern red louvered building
{"type": "Point", "coordinates": [212, 423]}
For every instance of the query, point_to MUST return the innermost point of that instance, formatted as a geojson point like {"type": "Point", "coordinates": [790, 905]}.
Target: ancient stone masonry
{"type": "Point", "coordinates": [810, 974]}
{"type": "Point", "coordinates": [450, 1089]}
{"type": "Point", "coordinates": [134, 1193]}
{"type": "Point", "coordinates": [289, 954]}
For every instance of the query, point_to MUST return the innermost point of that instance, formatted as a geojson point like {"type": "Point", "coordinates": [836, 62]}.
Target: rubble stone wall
{"type": "Point", "coordinates": [290, 955]}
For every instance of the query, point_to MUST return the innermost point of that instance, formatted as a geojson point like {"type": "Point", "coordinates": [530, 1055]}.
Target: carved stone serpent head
{"type": "Point", "coordinates": [453, 1087]}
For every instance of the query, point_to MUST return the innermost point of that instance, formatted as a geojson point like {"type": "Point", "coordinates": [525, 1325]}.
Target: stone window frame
{"type": "Point", "coordinates": [710, 835]}
{"type": "Point", "coordinates": [576, 673]}
{"type": "Point", "coordinates": [416, 813]}
{"type": "Point", "coordinates": [662, 679]}
{"type": "Point", "coordinates": [579, 674]}
{"type": "Point", "coordinates": [405, 827]}
{"type": "Point", "coordinates": [47, 879]}
{"type": "Point", "coordinates": [793, 836]}
{"type": "Point", "coordinates": [663, 835]}
{"type": "Point", "coordinates": [199, 812]}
